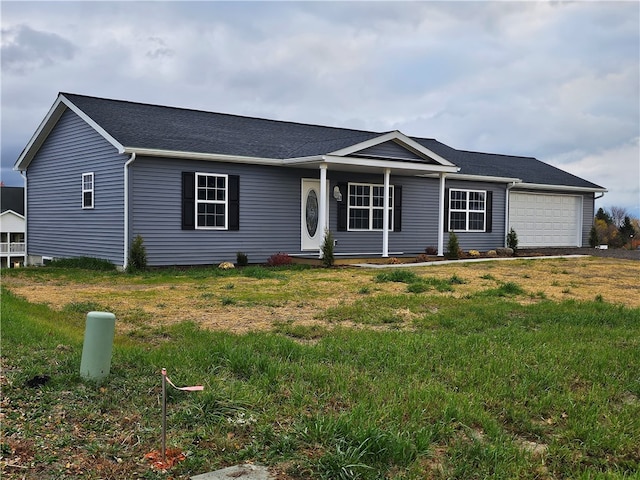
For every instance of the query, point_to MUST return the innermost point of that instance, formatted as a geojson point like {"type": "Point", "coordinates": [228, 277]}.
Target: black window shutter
{"type": "Point", "coordinates": [234, 202]}
{"type": "Point", "coordinates": [489, 211]}
{"type": "Point", "coordinates": [188, 201]}
{"type": "Point", "coordinates": [397, 208]}
{"type": "Point", "coordinates": [446, 210]}
{"type": "Point", "coordinates": [342, 207]}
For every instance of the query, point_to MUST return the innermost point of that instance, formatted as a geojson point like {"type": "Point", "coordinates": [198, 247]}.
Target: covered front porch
{"type": "Point", "coordinates": [363, 186]}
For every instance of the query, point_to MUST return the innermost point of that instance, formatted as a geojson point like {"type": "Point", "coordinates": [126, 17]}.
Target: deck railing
{"type": "Point", "coordinates": [12, 247]}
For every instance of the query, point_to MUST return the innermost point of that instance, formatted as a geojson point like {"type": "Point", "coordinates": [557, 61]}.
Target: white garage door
{"type": "Point", "coordinates": [546, 220]}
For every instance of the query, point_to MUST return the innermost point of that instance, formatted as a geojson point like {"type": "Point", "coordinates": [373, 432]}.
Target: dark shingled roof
{"type": "Point", "coordinates": [12, 198]}
{"type": "Point", "coordinates": [138, 125]}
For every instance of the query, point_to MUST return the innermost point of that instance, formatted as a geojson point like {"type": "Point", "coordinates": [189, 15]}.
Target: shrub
{"type": "Point", "coordinates": [431, 251]}
{"type": "Point", "coordinates": [327, 249]}
{"type": "Point", "coordinates": [594, 241]}
{"type": "Point", "coordinates": [423, 257]}
{"type": "Point", "coordinates": [86, 263]}
{"type": "Point", "coordinates": [512, 239]}
{"type": "Point", "coordinates": [241, 259]}
{"type": "Point", "coordinates": [137, 255]}
{"type": "Point", "coordinates": [453, 247]}
{"type": "Point", "coordinates": [278, 259]}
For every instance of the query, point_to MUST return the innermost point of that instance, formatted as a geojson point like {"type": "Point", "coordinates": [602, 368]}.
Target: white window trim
{"type": "Point", "coordinates": [467, 210]}
{"type": "Point", "coordinates": [371, 207]}
{"type": "Point", "coordinates": [89, 190]}
{"type": "Point", "coordinates": [215, 202]}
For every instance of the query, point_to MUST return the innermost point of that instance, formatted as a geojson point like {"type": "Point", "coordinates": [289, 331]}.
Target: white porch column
{"type": "Point", "coordinates": [322, 207]}
{"type": "Point", "coordinates": [385, 215]}
{"type": "Point", "coordinates": [441, 218]}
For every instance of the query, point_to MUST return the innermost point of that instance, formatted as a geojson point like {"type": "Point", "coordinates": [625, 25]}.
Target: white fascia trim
{"type": "Point", "coordinates": [303, 160]}
{"type": "Point", "coordinates": [47, 124]}
{"type": "Point", "coordinates": [36, 140]}
{"type": "Point", "coordinates": [481, 178]}
{"type": "Point", "coordinates": [212, 157]}
{"type": "Point", "coordinates": [563, 188]}
{"type": "Point", "coordinates": [392, 164]}
{"type": "Point", "coordinates": [11, 211]}
{"type": "Point", "coordinates": [103, 133]}
{"type": "Point", "coordinates": [395, 135]}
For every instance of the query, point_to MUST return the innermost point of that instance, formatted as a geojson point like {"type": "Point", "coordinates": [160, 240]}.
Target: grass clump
{"type": "Point", "coordinates": [507, 289]}
{"type": "Point", "coordinates": [397, 275]}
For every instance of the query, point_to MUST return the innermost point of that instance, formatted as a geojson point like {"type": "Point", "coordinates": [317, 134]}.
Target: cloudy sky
{"type": "Point", "coordinates": [558, 81]}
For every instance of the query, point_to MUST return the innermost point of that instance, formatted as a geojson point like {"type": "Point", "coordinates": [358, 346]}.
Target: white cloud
{"type": "Point", "coordinates": [559, 81]}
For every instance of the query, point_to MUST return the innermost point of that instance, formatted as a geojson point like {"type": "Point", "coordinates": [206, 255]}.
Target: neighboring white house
{"type": "Point", "coordinates": [12, 227]}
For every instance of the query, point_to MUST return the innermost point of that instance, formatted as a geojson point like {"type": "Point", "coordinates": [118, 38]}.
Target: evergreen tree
{"type": "Point", "coordinates": [602, 214]}
{"type": "Point", "coordinates": [627, 231]}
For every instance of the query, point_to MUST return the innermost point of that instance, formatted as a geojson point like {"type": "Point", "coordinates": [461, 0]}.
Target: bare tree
{"type": "Point", "coordinates": [617, 215]}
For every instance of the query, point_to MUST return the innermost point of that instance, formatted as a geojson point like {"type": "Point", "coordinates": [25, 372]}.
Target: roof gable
{"type": "Point", "coordinates": [395, 146]}
{"type": "Point", "coordinates": [12, 199]}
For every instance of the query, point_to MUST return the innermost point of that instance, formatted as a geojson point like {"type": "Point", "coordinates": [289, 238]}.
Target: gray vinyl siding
{"type": "Point", "coordinates": [588, 214]}
{"type": "Point", "coordinates": [270, 216]}
{"type": "Point", "coordinates": [420, 207]}
{"type": "Point", "coordinates": [269, 213]}
{"type": "Point", "coordinates": [388, 149]}
{"type": "Point", "coordinates": [482, 241]}
{"type": "Point", "coordinates": [57, 225]}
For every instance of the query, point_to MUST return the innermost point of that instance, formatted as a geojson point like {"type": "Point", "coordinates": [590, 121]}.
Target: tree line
{"type": "Point", "coordinates": [614, 227]}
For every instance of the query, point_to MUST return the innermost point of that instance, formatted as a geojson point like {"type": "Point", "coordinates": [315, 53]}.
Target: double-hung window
{"type": "Point", "coordinates": [87, 190]}
{"type": "Point", "coordinates": [366, 206]}
{"type": "Point", "coordinates": [467, 210]}
{"type": "Point", "coordinates": [211, 201]}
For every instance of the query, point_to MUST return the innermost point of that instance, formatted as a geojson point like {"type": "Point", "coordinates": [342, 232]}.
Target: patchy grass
{"type": "Point", "coordinates": [491, 378]}
{"type": "Point", "coordinates": [457, 397]}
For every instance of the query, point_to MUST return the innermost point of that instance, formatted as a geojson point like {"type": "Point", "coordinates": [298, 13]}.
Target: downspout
{"type": "Point", "coordinates": [126, 210]}
{"type": "Point", "coordinates": [24, 176]}
{"type": "Point", "coordinates": [441, 213]}
{"type": "Point", "coordinates": [506, 211]}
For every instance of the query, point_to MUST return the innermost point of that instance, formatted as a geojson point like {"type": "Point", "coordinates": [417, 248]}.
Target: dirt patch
{"type": "Point", "coordinates": [240, 304]}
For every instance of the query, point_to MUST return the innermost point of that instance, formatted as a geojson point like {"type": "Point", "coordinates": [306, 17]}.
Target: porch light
{"type": "Point", "coordinates": [337, 194]}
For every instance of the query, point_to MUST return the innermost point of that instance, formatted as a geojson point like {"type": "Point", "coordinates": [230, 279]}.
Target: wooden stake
{"type": "Point", "coordinates": [164, 415]}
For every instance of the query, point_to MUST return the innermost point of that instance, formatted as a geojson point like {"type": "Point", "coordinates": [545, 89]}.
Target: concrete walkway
{"type": "Point", "coordinates": [466, 260]}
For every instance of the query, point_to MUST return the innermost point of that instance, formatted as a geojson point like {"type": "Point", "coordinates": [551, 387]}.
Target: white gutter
{"type": "Point", "coordinates": [126, 210]}
{"type": "Point", "coordinates": [564, 188]}
{"type": "Point", "coordinates": [212, 157]}
{"type": "Point", "coordinates": [477, 178]}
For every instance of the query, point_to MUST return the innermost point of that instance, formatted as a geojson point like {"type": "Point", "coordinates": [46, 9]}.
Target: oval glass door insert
{"type": "Point", "coordinates": [312, 213]}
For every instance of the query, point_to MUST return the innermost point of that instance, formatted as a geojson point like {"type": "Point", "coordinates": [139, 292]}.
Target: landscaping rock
{"type": "Point", "coordinates": [504, 252]}
{"type": "Point", "coordinates": [244, 472]}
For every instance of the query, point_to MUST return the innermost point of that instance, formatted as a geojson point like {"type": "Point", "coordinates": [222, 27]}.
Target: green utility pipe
{"type": "Point", "coordinates": [98, 345]}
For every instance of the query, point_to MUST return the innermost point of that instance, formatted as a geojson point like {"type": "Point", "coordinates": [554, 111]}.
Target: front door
{"type": "Point", "coordinates": [310, 226]}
